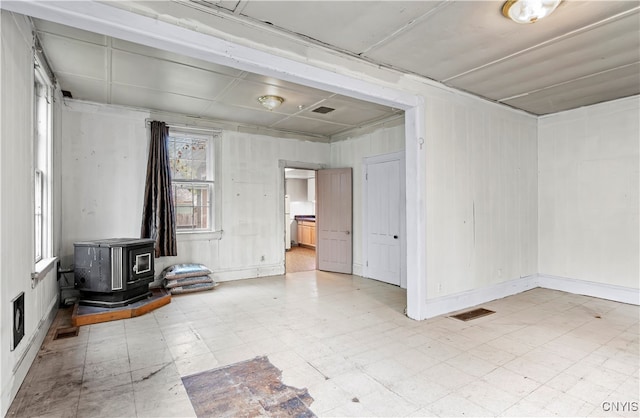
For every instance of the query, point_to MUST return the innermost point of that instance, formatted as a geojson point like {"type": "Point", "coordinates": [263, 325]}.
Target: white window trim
{"type": "Point", "coordinates": [43, 162]}
{"type": "Point", "coordinates": [214, 138]}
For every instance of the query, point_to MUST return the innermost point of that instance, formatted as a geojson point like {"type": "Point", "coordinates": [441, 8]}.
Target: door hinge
{"type": "Point", "coordinates": [366, 176]}
{"type": "Point", "coordinates": [367, 263]}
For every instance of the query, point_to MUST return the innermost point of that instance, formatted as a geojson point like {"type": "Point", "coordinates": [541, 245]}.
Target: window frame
{"type": "Point", "coordinates": [42, 184]}
{"type": "Point", "coordinates": [212, 138]}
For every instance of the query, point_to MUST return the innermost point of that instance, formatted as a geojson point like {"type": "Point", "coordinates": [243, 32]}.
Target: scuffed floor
{"type": "Point", "coordinates": [346, 339]}
{"type": "Point", "coordinates": [249, 388]}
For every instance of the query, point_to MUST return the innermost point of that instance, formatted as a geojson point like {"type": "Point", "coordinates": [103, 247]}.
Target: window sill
{"type": "Point", "coordinates": [43, 267]}
{"type": "Point", "coordinates": [200, 235]}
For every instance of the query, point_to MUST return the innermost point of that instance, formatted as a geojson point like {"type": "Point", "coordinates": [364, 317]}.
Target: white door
{"type": "Point", "coordinates": [333, 220]}
{"type": "Point", "coordinates": [384, 219]}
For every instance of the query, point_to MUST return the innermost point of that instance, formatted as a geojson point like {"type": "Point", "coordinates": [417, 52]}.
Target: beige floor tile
{"type": "Point", "coordinates": [151, 356]}
{"type": "Point", "coordinates": [415, 359]}
{"type": "Point", "coordinates": [332, 365]}
{"type": "Point", "coordinates": [540, 372]}
{"type": "Point", "coordinates": [454, 405]}
{"type": "Point", "coordinates": [439, 350]}
{"type": "Point", "coordinates": [106, 350]}
{"type": "Point", "coordinates": [196, 364]}
{"type": "Point", "coordinates": [448, 376]}
{"type": "Point", "coordinates": [53, 364]}
{"type": "Point", "coordinates": [385, 403]}
{"type": "Point", "coordinates": [190, 349]}
{"type": "Point", "coordinates": [349, 409]}
{"type": "Point", "coordinates": [356, 383]}
{"type": "Point", "coordinates": [52, 395]}
{"type": "Point", "coordinates": [121, 402]}
{"type": "Point", "coordinates": [106, 375]}
{"type": "Point", "coordinates": [569, 406]}
{"type": "Point", "coordinates": [589, 391]}
{"type": "Point", "coordinates": [471, 364]}
{"type": "Point", "coordinates": [511, 382]}
{"type": "Point", "coordinates": [389, 371]}
{"type": "Point", "coordinates": [525, 409]}
{"type": "Point", "coordinates": [492, 354]}
{"type": "Point", "coordinates": [490, 397]}
{"type": "Point", "coordinates": [302, 376]}
{"type": "Point", "coordinates": [346, 339]}
{"type": "Point", "coordinates": [105, 384]}
{"type": "Point", "coordinates": [327, 396]}
{"type": "Point", "coordinates": [419, 390]}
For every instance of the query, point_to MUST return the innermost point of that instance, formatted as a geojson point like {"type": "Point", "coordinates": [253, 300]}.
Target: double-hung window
{"type": "Point", "coordinates": [42, 145]}
{"type": "Point", "coordinates": [192, 157]}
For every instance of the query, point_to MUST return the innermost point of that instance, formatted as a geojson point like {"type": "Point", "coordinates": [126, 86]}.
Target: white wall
{"type": "Point", "coordinates": [104, 165]}
{"type": "Point", "coordinates": [104, 152]}
{"type": "Point", "coordinates": [16, 209]}
{"type": "Point", "coordinates": [589, 192]}
{"type": "Point", "coordinates": [296, 189]}
{"type": "Point", "coordinates": [481, 194]}
{"type": "Point", "coordinates": [350, 153]}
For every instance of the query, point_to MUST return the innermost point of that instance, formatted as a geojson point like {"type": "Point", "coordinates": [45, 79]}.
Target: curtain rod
{"type": "Point", "coordinates": [186, 127]}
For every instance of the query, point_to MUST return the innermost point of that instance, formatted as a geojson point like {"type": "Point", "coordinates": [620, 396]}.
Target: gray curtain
{"type": "Point", "coordinates": [158, 215]}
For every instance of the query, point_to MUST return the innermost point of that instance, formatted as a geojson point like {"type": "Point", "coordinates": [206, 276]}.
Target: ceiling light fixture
{"type": "Point", "coordinates": [529, 11]}
{"type": "Point", "coordinates": [270, 102]}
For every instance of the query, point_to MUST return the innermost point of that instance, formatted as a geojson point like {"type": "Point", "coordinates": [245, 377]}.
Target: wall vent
{"type": "Point", "coordinates": [18, 320]}
{"type": "Point", "coordinates": [323, 110]}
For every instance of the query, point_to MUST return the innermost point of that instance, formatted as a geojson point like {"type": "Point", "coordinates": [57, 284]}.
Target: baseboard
{"type": "Point", "coordinates": [358, 270]}
{"type": "Point", "coordinates": [469, 298]}
{"type": "Point", "coordinates": [249, 273]}
{"type": "Point", "coordinates": [587, 288]}
{"type": "Point", "coordinates": [463, 300]}
{"type": "Point", "coordinates": [20, 369]}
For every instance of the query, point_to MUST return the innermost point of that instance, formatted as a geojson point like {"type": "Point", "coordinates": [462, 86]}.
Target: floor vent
{"type": "Point", "coordinates": [473, 314]}
{"type": "Point", "coordinates": [67, 332]}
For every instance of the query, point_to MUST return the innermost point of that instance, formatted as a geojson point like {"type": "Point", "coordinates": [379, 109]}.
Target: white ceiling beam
{"type": "Point", "coordinates": [119, 23]}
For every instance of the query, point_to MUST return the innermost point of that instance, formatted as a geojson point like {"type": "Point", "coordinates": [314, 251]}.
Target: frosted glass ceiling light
{"type": "Point", "coordinates": [270, 102]}
{"type": "Point", "coordinates": [529, 11]}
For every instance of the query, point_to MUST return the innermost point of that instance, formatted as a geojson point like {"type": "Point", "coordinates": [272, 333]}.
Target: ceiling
{"type": "Point", "coordinates": [585, 53]}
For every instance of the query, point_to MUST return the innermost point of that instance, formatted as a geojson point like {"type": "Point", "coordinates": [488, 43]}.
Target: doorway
{"type": "Point", "coordinates": [300, 219]}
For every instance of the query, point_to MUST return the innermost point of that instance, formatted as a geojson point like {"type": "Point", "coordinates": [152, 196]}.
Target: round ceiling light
{"type": "Point", "coordinates": [529, 11]}
{"type": "Point", "coordinates": [270, 102]}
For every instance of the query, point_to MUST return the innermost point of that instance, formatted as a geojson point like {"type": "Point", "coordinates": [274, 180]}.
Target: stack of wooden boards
{"type": "Point", "coordinates": [187, 278]}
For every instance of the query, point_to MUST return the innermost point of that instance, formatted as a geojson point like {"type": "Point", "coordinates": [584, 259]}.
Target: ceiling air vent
{"type": "Point", "coordinates": [323, 110]}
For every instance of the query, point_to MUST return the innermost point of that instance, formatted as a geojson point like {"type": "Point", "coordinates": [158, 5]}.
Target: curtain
{"type": "Point", "coordinates": [158, 215]}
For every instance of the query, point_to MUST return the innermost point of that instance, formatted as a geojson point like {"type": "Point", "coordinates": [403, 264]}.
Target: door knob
{"type": "Point", "coordinates": [347, 232]}
{"type": "Point", "coordinates": [395, 237]}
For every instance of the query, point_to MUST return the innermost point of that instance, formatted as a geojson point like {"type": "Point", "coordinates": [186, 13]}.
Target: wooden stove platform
{"type": "Point", "coordinates": [87, 315]}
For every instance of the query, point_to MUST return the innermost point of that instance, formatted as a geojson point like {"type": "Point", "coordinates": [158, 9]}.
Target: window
{"type": "Point", "coordinates": [42, 145]}
{"type": "Point", "coordinates": [192, 169]}
{"type": "Point", "coordinates": [38, 218]}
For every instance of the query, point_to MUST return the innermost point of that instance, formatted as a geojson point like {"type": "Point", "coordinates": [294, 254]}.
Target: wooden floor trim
{"type": "Point", "coordinates": [87, 315]}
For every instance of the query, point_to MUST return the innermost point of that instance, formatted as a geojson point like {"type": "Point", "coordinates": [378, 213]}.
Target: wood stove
{"type": "Point", "coordinates": [113, 272]}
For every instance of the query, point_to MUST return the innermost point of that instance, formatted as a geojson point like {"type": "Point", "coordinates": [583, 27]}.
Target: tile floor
{"type": "Point", "coordinates": [346, 339]}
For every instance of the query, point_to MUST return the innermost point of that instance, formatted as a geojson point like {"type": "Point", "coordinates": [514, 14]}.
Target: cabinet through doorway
{"type": "Point", "coordinates": [300, 220]}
